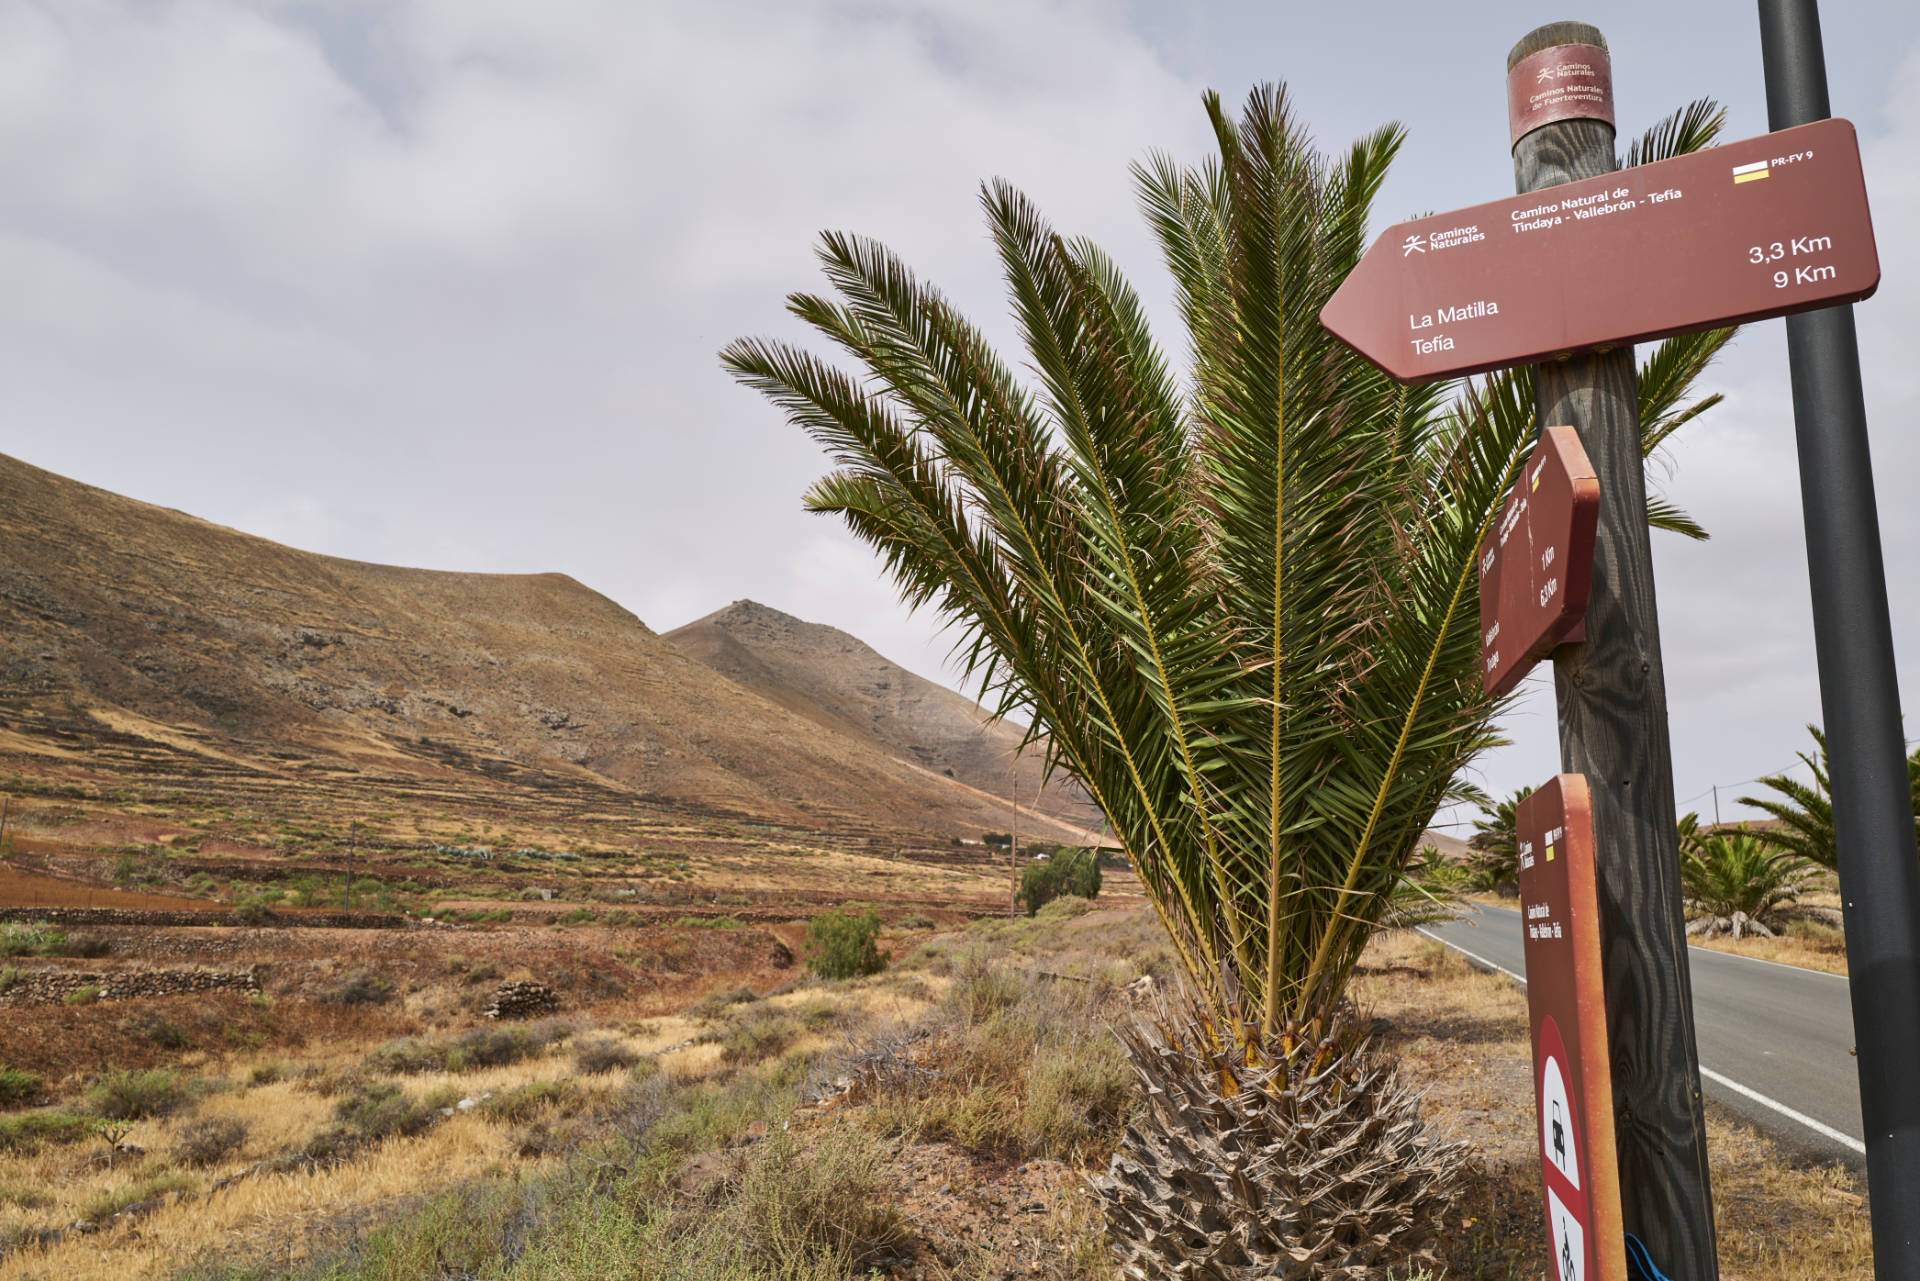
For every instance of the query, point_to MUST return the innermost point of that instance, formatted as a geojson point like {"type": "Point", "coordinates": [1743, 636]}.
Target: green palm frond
{"type": "Point", "coordinates": [1240, 604]}
{"type": "Point", "coordinates": [1692, 128]}
{"type": "Point", "coordinates": [1730, 872]}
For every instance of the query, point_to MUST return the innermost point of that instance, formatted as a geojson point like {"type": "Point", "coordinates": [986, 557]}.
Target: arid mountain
{"type": "Point", "coordinates": [839, 682]}
{"type": "Point", "coordinates": [252, 654]}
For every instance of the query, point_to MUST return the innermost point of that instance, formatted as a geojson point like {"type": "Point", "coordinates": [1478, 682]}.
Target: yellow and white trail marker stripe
{"type": "Point", "coordinates": [1750, 173]}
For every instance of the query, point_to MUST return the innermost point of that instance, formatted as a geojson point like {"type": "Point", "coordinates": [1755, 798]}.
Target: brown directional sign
{"type": "Point", "coordinates": [1758, 228]}
{"type": "Point", "coordinates": [1536, 563]}
{"type": "Point", "coordinates": [1572, 1086]}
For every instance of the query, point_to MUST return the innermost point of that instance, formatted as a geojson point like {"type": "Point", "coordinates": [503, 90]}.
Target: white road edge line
{"type": "Point", "coordinates": [1825, 1131]}
{"type": "Point", "coordinates": [1472, 956]}
{"type": "Point", "coordinates": [1738, 956]}
{"type": "Point", "coordinates": [1761, 960]}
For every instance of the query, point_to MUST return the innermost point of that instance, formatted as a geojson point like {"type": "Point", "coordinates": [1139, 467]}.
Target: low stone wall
{"type": "Point", "coordinates": [51, 987]}
{"type": "Point", "coordinates": [213, 916]}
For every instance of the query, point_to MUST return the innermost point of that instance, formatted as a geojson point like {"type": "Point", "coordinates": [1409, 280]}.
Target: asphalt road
{"type": "Point", "coordinates": [1774, 1039]}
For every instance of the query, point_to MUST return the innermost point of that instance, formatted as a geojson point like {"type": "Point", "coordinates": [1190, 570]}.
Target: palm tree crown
{"type": "Point", "coordinates": [1240, 606]}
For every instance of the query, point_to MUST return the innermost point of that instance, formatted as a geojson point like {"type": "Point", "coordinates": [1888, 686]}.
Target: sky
{"type": "Point", "coordinates": [442, 282]}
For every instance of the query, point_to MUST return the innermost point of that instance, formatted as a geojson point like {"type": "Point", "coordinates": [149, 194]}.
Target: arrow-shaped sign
{"type": "Point", "coordinates": [1753, 229]}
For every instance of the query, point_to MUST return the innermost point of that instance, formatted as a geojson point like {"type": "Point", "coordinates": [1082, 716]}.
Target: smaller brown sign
{"type": "Point", "coordinates": [1573, 1088]}
{"type": "Point", "coordinates": [1536, 563]}
{"type": "Point", "coordinates": [1566, 82]}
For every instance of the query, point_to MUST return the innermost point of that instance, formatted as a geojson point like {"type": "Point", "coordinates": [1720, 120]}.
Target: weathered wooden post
{"type": "Point", "coordinates": [1611, 692]}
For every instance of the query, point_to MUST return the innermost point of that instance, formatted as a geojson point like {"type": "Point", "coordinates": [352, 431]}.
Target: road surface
{"type": "Point", "coordinates": [1774, 1040]}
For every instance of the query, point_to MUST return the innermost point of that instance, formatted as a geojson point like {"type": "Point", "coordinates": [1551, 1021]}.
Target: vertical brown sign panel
{"type": "Point", "coordinates": [1536, 563]}
{"type": "Point", "coordinates": [1579, 1170]}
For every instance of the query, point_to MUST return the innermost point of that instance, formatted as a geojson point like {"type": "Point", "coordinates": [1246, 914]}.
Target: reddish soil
{"type": "Point", "coordinates": [24, 889]}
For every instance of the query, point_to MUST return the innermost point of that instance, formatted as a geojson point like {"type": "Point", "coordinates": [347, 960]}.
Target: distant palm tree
{"type": "Point", "coordinates": [1805, 810]}
{"type": "Point", "coordinates": [1494, 847]}
{"type": "Point", "coordinates": [1727, 872]}
{"type": "Point", "coordinates": [1240, 605]}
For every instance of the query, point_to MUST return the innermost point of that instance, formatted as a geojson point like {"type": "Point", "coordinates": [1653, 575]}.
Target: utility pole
{"type": "Point", "coordinates": [1859, 696]}
{"type": "Point", "coordinates": [346, 900]}
{"type": "Point", "coordinates": [1013, 836]}
{"type": "Point", "coordinates": [6, 803]}
{"type": "Point", "coordinates": [1716, 806]}
{"type": "Point", "coordinates": [1611, 694]}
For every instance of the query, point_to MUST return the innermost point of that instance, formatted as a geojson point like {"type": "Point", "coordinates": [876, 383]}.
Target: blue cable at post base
{"type": "Point", "coordinates": [1640, 1263]}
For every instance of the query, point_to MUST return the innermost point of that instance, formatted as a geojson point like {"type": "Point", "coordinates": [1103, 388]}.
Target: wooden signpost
{"type": "Point", "coordinates": [1751, 229]}
{"type": "Point", "coordinates": [1568, 1013]}
{"type": "Point", "coordinates": [1536, 563]}
{"type": "Point", "coordinates": [1585, 261]}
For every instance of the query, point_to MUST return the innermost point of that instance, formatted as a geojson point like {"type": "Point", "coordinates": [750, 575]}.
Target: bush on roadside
{"type": "Point", "coordinates": [210, 1140]}
{"type": "Point", "coordinates": [131, 1095]}
{"type": "Point", "coordinates": [844, 944]}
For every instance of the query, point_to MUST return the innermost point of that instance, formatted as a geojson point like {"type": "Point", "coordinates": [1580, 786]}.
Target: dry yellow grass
{"type": "Point", "coordinates": [248, 1214]}
{"type": "Point", "coordinates": [1809, 954]}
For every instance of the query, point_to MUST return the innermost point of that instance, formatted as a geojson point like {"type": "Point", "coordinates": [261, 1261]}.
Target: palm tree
{"type": "Point", "coordinates": [1805, 811]}
{"type": "Point", "coordinates": [1495, 844]}
{"type": "Point", "coordinates": [1726, 875]}
{"type": "Point", "coordinates": [1241, 605]}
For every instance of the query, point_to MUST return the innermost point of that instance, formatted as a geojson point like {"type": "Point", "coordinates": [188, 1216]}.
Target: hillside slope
{"type": "Point", "coordinates": [839, 682]}
{"type": "Point", "coordinates": [243, 651]}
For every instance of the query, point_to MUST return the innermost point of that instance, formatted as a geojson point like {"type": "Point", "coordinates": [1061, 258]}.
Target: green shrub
{"type": "Point", "coordinates": [595, 1055]}
{"type": "Point", "coordinates": [1064, 908]}
{"type": "Point", "coordinates": [129, 1095]}
{"type": "Point", "coordinates": [109, 1203]}
{"type": "Point", "coordinates": [361, 988]}
{"type": "Point", "coordinates": [30, 1131]}
{"type": "Point", "coordinates": [253, 911]}
{"type": "Point", "coordinates": [210, 1140]}
{"type": "Point", "coordinates": [710, 923]}
{"type": "Point", "coordinates": [759, 1032]}
{"type": "Point", "coordinates": [536, 1098]}
{"type": "Point", "coordinates": [499, 1046]}
{"type": "Point", "coordinates": [797, 1202]}
{"type": "Point", "coordinates": [37, 939]}
{"type": "Point", "coordinates": [24, 1194]}
{"type": "Point", "coordinates": [578, 916]}
{"type": "Point", "coordinates": [268, 1073]}
{"type": "Point", "coordinates": [1064, 871]}
{"type": "Point", "coordinates": [164, 1032]}
{"type": "Point", "coordinates": [83, 995]}
{"type": "Point", "coordinates": [380, 1110]}
{"type": "Point", "coordinates": [408, 1057]}
{"type": "Point", "coordinates": [844, 944]}
{"type": "Point", "coordinates": [715, 1004]}
{"type": "Point", "coordinates": [17, 1087]}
